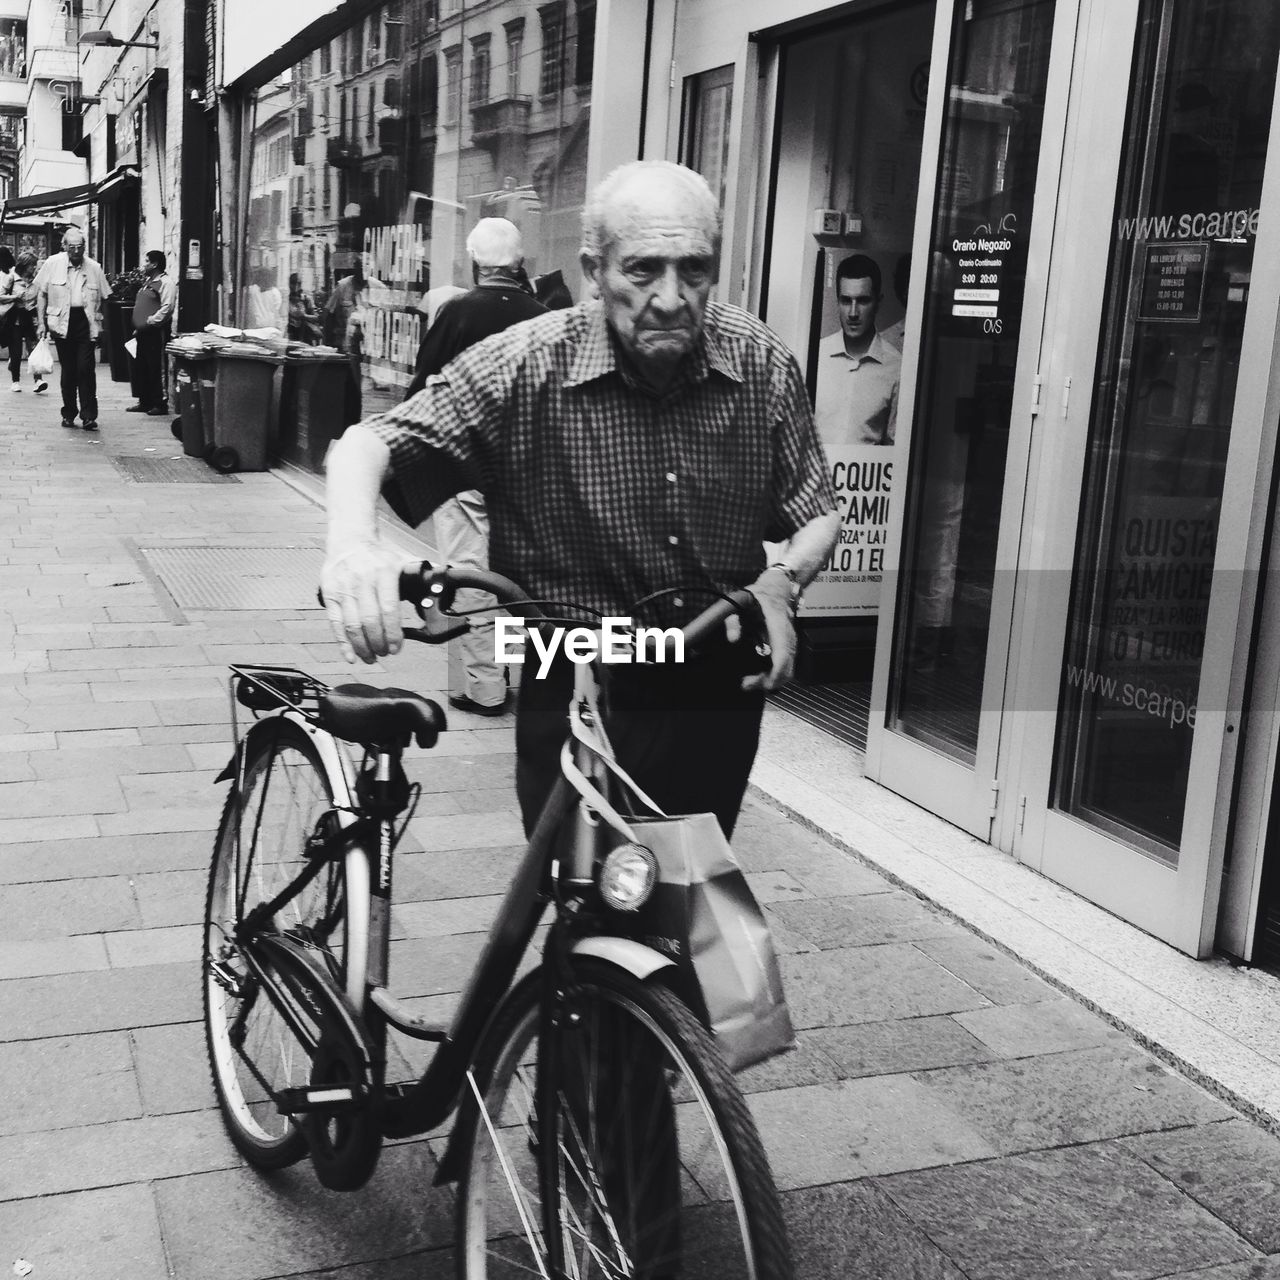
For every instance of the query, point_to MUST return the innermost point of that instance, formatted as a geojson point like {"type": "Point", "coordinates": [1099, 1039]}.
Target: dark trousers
{"type": "Point", "coordinates": [687, 734]}
{"type": "Point", "coordinates": [148, 366]}
{"type": "Point", "coordinates": [20, 332]}
{"type": "Point", "coordinates": [77, 357]}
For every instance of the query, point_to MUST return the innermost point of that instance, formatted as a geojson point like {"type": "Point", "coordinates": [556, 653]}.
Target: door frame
{"type": "Point", "coordinates": [970, 796]}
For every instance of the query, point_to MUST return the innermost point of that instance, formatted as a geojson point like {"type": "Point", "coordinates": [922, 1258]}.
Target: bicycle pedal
{"type": "Point", "coordinates": [321, 1097]}
{"type": "Point", "coordinates": [404, 1019]}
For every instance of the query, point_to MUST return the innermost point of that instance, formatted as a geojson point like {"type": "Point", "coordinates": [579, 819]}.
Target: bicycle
{"type": "Point", "coordinates": [597, 1130]}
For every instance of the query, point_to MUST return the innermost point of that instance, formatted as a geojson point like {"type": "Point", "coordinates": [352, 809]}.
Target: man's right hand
{"type": "Point", "coordinates": [360, 583]}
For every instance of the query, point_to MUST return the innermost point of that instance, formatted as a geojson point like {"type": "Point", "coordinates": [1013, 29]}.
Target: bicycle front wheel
{"type": "Point", "coordinates": [652, 1160]}
{"type": "Point", "coordinates": [261, 850]}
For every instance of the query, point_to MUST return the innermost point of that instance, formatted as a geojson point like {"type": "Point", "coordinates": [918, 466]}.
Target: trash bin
{"type": "Point", "coordinates": [246, 408]}
{"type": "Point", "coordinates": [191, 383]}
{"type": "Point", "coordinates": [312, 415]}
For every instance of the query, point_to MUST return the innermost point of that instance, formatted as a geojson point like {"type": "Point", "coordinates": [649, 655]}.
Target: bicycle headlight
{"type": "Point", "coordinates": [627, 877]}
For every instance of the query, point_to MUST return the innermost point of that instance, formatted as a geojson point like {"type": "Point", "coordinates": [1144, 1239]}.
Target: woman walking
{"type": "Point", "coordinates": [18, 306]}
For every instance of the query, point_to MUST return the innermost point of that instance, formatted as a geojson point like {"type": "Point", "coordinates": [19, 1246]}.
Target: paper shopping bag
{"type": "Point", "coordinates": [704, 916]}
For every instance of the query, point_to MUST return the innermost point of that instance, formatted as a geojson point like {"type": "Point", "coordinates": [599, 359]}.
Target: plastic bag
{"type": "Point", "coordinates": [41, 360]}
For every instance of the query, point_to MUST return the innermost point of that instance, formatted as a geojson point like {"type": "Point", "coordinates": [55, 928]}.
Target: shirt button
{"type": "Point", "coordinates": [671, 475]}
{"type": "Point", "coordinates": [671, 538]}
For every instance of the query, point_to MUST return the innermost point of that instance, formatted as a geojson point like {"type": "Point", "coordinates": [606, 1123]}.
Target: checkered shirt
{"type": "Point", "coordinates": [600, 493]}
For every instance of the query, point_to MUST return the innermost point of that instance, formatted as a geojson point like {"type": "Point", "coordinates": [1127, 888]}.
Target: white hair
{"type": "Point", "coordinates": [495, 242]}
{"type": "Point", "coordinates": [598, 231]}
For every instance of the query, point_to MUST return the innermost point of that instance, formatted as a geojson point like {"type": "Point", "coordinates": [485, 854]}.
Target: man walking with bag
{"type": "Point", "coordinates": [70, 289]}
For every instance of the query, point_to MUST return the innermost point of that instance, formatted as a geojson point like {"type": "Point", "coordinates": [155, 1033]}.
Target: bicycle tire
{"type": "Point", "coordinates": [659, 1168]}
{"type": "Point", "coordinates": [286, 788]}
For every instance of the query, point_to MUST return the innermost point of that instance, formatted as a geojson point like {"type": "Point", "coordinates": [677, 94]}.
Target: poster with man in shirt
{"type": "Point", "coordinates": [856, 376]}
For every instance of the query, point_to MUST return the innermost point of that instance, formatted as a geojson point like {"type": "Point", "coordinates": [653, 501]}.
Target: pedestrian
{"type": "Point", "coordinates": [648, 440]}
{"type": "Point", "coordinates": [304, 324]}
{"type": "Point", "coordinates": [70, 288]}
{"type": "Point", "coordinates": [17, 312]}
{"type": "Point", "coordinates": [152, 312]}
{"type": "Point", "coordinates": [342, 331]}
{"type": "Point", "coordinates": [477, 682]}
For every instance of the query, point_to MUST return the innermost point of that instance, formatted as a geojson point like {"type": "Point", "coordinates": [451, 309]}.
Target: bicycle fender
{"type": "Point", "coordinates": [638, 960]}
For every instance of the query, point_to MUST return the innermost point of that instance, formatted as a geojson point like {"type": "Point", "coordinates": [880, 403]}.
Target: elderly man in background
{"type": "Point", "coordinates": [646, 441]}
{"type": "Point", "coordinates": [70, 289]}
{"type": "Point", "coordinates": [477, 683]}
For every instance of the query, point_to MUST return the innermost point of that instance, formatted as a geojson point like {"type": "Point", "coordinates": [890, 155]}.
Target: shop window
{"type": "Point", "coordinates": [479, 71]}
{"type": "Point", "coordinates": [584, 55]}
{"type": "Point", "coordinates": [551, 80]}
{"type": "Point", "coordinates": [394, 204]}
{"type": "Point", "coordinates": [515, 51]}
{"type": "Point", "coordinates": [708, 107]}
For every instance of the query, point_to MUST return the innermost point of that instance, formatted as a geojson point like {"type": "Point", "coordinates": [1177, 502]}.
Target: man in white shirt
{"type": "Point", "coordinates": [858, 372]}
{"type": "Point", "coordinates": [69, 290]}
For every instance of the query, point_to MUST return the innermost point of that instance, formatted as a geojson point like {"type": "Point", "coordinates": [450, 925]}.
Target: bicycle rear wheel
{"type": "Point", "coordinates": [253, 1052]}
{"type": "Point", "coordinates": [655, 1164]}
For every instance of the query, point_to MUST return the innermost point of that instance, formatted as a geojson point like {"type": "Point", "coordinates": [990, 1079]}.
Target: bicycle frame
{"type": "Point", "coordinates": [405, 1110]}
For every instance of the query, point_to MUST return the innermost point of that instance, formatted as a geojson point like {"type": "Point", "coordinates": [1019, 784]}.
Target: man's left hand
{"type": "Point", "coordinates": [773, 593]}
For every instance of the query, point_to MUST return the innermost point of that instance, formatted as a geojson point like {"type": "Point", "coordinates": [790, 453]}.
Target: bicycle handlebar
{"type": "Point", "coordinates": [418, 585]}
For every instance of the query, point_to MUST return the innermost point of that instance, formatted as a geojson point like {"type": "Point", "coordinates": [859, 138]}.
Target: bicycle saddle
{"type": "Point", "coordinates": [363, 713]}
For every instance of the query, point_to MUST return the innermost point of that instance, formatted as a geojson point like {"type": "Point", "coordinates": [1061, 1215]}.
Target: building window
{"type": "Point", "coordinates": [326, 59]}
{"type": "Point", "coordinates": [479, 71]}
{"type": "Point", "coordinates": [368, 122]}
{"type": "Point", "coordinates": [394, 39]}
{"type": "Point", "coordinates": [515, 49]}
{"type": "Point", "coordinates": [708, 111]}
{"type": "Point", "coordinates": [452, 86]}
{"type": "Point", "coordinates": [357, 48]}
{"type": "Point", "coordinates": [552, 80]}
{"type": "Point", "coordinates": [584, 55]}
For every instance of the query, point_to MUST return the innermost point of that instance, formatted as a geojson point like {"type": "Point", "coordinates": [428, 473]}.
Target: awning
{"type": "Point", "coordinates": [67, 197]}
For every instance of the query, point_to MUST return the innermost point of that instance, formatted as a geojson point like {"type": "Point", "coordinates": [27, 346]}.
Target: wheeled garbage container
{"type": "Point", "coordinates": [191, 383]}
{"type": "Point", "coordinates": [312, 406]}
{"type": "Point", "coordinates": [246, 405]}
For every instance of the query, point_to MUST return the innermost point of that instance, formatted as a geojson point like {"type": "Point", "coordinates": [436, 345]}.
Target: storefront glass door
{"type": "Point", "coordinates": [1150, 628]}
{"type": "Point", "coordinates": [989, 249]}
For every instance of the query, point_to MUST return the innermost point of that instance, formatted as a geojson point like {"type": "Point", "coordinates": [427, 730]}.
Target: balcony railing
{"type": "Point", "coordinates": [491, 122]}
{"type": "Point", "coordinates": [341, 154]}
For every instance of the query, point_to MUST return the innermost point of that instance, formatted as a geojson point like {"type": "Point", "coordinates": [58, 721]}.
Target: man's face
{"type": "Point", "coordinates": [858, 303]}
{"type": "Point", "coordinates": [75, 250]}
{"type": "Point", "coordinates": [655, 277]}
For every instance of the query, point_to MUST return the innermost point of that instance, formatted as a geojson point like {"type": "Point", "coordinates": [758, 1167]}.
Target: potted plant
{"type": "Point", "coordinates": [118, 311]}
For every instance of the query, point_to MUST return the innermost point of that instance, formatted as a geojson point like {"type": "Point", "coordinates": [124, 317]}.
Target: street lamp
{"type": "Point", "coordinates": [103, 39]}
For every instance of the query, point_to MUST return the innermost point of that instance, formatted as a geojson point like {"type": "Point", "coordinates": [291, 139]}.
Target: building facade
{"type": "Point", "coordinates": [1065, 546]}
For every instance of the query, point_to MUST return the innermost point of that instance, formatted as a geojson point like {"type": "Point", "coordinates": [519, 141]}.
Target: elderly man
{"type": "Point", "coordinates": [648, 440]}
{"type": "Point", "coordinates": [477, 683]}
{"type": "Point", "coordinates": [70, 289]}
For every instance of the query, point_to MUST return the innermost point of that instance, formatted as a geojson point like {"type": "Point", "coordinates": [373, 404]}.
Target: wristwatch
{"type": "Point", "coordinates": [793, 578]}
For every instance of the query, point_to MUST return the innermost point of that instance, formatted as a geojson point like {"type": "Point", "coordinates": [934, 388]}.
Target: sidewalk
{"type": "Point", "coordinates": [948, 1113]}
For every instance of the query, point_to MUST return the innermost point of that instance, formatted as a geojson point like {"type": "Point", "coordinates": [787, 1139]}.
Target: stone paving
{"type": "Point", "coordinates": [947, 1114]}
